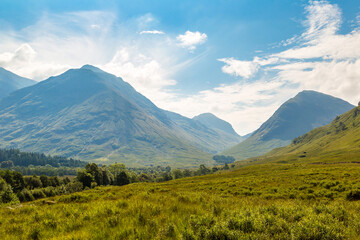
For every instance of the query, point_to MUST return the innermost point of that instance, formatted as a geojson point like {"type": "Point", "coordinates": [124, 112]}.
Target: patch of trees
{"type": "Point", "coordinates": [221, 159]}
{"type": "Point", "coordinates": [10, 158]}
{"type": "Point", "coordinates": [15, 187]}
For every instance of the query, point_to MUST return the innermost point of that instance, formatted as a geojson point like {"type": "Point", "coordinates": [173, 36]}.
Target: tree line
{"type": "Point", "coordinates": [15, 187]}
{"type": "Point", "coordinates": [10, 158]}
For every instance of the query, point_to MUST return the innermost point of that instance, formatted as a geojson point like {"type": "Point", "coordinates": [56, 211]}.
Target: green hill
{"type": "Point", "coordinates": [338, 141]}
{"type": "Point", "coordinates": [306, 111]}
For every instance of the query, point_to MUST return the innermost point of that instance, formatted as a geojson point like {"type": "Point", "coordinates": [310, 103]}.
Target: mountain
{"type": "Point", "coordinates": [223, 128]}
{"type": "Point", "coordinates": [208, 139]}
{"type": "Point", "coordinates": [211, 121]}
{"type": "Point", "coordinates": [306, 111]}
{"type": "Point", "coordinates": [10, 82]}
{"type": "Point", "coordinates": [92, 115]}
{"type": "Point", "coordinates": [337, 141]}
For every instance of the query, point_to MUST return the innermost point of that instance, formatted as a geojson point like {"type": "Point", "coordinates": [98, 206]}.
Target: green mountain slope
{"type": "Point", "coordinates": [10, 82]}
{"type": "Point", "coordinates": [337, 141]}
{"type": "Point", "coordinates": [92, 115]}
{"type": "Point", "coordinates": [306, 111]}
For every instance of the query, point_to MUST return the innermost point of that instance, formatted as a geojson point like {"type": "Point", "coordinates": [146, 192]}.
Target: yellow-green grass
{"type": "Point", "coordinates": [262, 201]}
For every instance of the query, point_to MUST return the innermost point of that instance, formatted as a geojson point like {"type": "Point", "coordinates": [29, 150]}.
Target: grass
{"type": "Point", "coordinates": [261, 201]}
{"type": "Point", "coordinates": [308, 190]}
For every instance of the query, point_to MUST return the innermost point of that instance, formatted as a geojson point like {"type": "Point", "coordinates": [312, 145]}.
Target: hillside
{"type": "Point", "coordinates": [223, 128]}
{"type": "Point", "coordinates": [92, 115]}
{"type": "Point", "coordinates": [212, 121]}
{"type": "Point", "coordinates": [337, 141]}
{"type": "Point", "coordinates": [10, 82]}
{"type": "Point", "coordinates": [306, 111]}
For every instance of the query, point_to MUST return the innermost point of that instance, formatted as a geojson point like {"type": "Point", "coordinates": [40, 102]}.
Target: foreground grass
{"type": "Point", "coordinates": [267, 201]}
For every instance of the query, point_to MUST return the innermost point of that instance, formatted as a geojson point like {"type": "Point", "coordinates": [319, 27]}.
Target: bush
{"type": "Point", "coordinates": [75, 186]}
{"type": "Point", "coordinates": [353, 195]}
{"type": "Point", "coordinates": [38, 193]}
{"type": "Point", "coordinates": [25, 195]}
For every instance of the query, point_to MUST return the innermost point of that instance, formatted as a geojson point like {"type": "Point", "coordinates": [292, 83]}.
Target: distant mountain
{"type": "Point", "coordinates": [92, 115]}
{"type": "Point", "coordinates": [211, 121]}
{"type": "Point", "coordinates": [10, 82]}
{"type": "Point", "coordinates": [337, 141]}
{"type": "Point", "coordinates": [207, 138]}
{"type": "Point", "coordinates": [306, 111]}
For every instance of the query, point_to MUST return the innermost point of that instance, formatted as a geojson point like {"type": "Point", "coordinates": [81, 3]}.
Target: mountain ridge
{"type": "Point", "coordinates": [10, 82]}
{"type": "Point", "coordinates": [300, 114]}
{"type": "Point", "coordinates": [93, 115]}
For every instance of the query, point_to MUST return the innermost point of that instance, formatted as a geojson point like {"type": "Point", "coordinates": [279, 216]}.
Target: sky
{"type": "Point", "coordinates": [238, 59]}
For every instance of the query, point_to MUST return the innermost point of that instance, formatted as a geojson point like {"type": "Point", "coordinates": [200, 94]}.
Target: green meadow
{"type": "Point", "coordinates": [253, 201]}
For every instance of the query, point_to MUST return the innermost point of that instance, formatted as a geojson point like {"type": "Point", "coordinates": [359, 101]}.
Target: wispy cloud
{"type": "Point", "coordinates": [191, 40]}
{"type": "Point", "coordinates": [152, 32]}
{"type": "Point", "coordinates": [319, 58]}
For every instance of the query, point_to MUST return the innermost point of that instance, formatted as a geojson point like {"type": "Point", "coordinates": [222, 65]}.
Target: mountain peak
{"type": "Point", "coordinates": [300, 114]}
{"type": "Point", "coordinates": [212, 121]}
{"type": "Point", "coordinates": [92, 68]}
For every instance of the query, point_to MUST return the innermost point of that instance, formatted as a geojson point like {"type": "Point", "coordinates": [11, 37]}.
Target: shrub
{"type": "Point", "coordinates": [38, 193]}
{"type": "Point", "coordinates": [353, 195]}
{"type": "Point", "coordinates": [25, 195]}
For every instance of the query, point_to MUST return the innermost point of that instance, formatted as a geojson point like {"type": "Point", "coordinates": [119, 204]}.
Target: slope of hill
{"type": "Point", "coordinates": [10, 82]}
{"type": "Point", "coordinates": [211, 121]}
{"type": "Point", "coordinates": [306, 111]}
{"type": "Point", "coordinates": [92, 115]}
{"type": "Point", "coordinates": [203, 136]}
{"type": "Point", "coordinates": [223, 128]}
{"type": "Point", "coordinates": [337, 141]}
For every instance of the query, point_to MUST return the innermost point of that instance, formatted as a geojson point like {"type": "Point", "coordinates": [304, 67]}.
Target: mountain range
{"type": "Point", "coordinates": [306, 111]}
{"type": "Point", "coordinates": [92, 115]}
{"type": "Point", "coordinates": [10, 82]}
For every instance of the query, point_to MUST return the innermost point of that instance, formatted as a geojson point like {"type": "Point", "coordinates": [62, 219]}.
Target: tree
{"type": "Point", "coordinates": [177, 174]}
{"type": "Point", "coordinates": [187, 173]}
{"type": "Point", "coordinates": [6, 193]}
{"type": "Point", "coordinates": [223, 159]}
{"type": "Point", "coordinates": [121, 179]}
{"type": "Point", "coordinates": [226, 167]}
{"type": "Point", "coordinates": [94, 170]}
{"type": "Point", "coordinates": [32, 182]}
{"type": "Point", "coordinates": [44, 180]}
{"type": "Point", "coordinates": [7, 164]}
{"type": "Point", "coordinates": [85, 178]}
{"type": "Point", "coordinates": [203, 170]}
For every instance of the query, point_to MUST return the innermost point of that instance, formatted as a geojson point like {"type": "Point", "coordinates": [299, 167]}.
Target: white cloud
{"type": "Point", "coordinates": [146, 75]}
{"type": "Point", "coordinates": [152, 32]}
{"type": "Point", "coordinates": [235, 67]}
{"type": "Point", "coordinates": [321, 59]}
{"type": "Point", "coordinates": [190, 40]}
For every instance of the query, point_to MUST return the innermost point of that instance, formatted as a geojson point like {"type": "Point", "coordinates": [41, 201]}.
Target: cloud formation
{"type": "Point", "coordinates": [319, 58]}
{"type": "Point", "coordinates": [152, 32]}
{"type": "Point", "coordinates": [235, 67]}
{"type": "Point", "coordinates": [191, 40]}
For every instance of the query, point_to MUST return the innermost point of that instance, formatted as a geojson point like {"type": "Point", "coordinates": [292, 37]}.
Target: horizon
{"type": "Point", "coordinates": [189, 64]}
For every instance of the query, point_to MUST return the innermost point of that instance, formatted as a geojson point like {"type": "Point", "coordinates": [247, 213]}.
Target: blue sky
{"type": "Point", "coordinates": [237, 59]}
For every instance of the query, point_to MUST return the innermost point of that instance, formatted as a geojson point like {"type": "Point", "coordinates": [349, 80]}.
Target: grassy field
{"type": "Point", "coordinates": [261, 201]}
{"type": "Point", "coordinates": [307, 190]}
